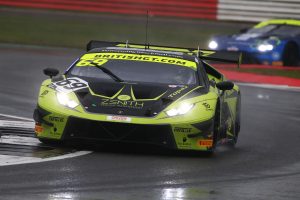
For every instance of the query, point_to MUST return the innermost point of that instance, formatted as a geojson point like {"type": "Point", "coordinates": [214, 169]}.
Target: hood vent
{"type": "Point", "coordinates": [82, 94]}
{"type": "Point", "coordinates": [105, 89]}
{"type": "Point", "coordinates": [147, 92]}
{"type": "Point", "coordinates": [166, 101]}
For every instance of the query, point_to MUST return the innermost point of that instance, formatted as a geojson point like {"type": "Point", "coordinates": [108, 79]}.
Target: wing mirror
{"type": "Point", "coordinates": [225, 85]}
{"type": "Point", "coordinates": [50, 72]}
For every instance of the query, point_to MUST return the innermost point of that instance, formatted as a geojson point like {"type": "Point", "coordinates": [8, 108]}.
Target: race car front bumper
{"type": "Point", "coordinates": [53, 126]}
{"type": "Point", "coordinates": [78, 128]}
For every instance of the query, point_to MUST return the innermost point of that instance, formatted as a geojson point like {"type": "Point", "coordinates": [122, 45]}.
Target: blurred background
{"type": "Point", "coordinates": [36, 34]}
{"type": "Point", "coordinates": [71, 23]}
{"type": "Point", "coordinates": [32, 27]}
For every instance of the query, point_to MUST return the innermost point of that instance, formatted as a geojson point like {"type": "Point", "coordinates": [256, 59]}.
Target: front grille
{"type": "Point", "coordinates": [119, 132]}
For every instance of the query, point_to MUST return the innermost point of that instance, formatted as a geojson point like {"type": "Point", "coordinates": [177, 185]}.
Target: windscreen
{"type": "Point", "coordinates": [265, 29]}
{"type": "Point", "coordinates": [161, 70]}
{"type": "Point", "coordinates": [277, 30]}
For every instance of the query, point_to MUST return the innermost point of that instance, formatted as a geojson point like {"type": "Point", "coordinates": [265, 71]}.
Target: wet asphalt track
{"type": "Point", "coordinates": [264, 165]}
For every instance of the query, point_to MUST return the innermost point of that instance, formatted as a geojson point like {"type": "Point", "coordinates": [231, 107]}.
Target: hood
{"type": "Point", "coordinates": [245, 41]}
{"type": "Point", "coordinates": [131, 99]}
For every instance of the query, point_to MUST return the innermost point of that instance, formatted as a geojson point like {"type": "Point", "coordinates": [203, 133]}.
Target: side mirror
{"type": "Point", "coordinates": [50, 72]}
{"type": "Point", "coordinates": [225, 85]}
{"type": "Point", "coordinates": [212, 82]}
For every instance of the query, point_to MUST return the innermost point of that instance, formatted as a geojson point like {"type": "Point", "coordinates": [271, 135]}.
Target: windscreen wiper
{"type": "Point", "coordinates": [108, 72]}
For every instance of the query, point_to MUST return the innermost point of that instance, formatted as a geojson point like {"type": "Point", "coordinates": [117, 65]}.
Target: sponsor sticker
{"type": "Point", "coordinates": [232, 48]}
{"type": "Point", "coordinates": [205, 143]}
{"type": "Point", "coordinates": [69, 85]}
{"type": "Point", "coordinates": [178, 91]}
{"type": "Point", "coordinates": [182, 130]}
{"type": "Point", "coordinates": [56, 119]}
{"type": "Point", "coordinates": [122, 104]}
{"type": "Point", "coordinates": [87, 63]}
{"type": "Point", "coordinates": [277, 63]}
{"type": "Point", "coordinates": [135, 57]}
{"type": "Point", "coordinates": [118, 118]}
{"type": "Point", "coordinates": [45, 92]}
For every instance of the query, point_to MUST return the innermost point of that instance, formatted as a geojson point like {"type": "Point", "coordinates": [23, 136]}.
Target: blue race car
{"type": "Point", "coordinates": [273, 42]}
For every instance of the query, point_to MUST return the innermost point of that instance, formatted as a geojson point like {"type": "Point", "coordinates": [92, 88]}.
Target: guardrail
{"type": "Point", "coordinates": [257, 10]}
{"type": "Point", "coordinates": [236, 10]}
{"type": "Point", "coordinates": [205, 9]}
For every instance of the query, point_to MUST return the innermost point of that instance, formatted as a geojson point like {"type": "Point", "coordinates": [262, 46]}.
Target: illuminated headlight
{"type": "Point", "coordinates": [64, 100]}
{"type": "Point", "coordinates": [181, 110]}
{"type": "Point", "coordinates": [213, 44]}
{"type": "Point", "coordinates": [265, 47]}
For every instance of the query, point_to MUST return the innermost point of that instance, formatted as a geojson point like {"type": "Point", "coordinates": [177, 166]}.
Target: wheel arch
{"type": "Point", "coordinates": [290, 44]}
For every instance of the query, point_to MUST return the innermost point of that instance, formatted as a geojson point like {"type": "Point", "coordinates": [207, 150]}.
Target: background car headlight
{"type": "Point", "coordinates": [181, 110]}
{"type": "Point", "coordinates": [265, 47]}
{"type": "Point", "coordinates": [213, 44]}
{"type": "Point", "coordinates": [64, 100]}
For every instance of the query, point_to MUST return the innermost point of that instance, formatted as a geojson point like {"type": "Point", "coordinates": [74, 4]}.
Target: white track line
{"type": "Point", "coordinates": [6, 160]}
{"type": "Point", "coordinates": [18, 160]}
{"type": "Point", "coordinates": [14, 139]}
{"type": "Point", "coordinates": [16, 117]}
{"type": "Point", "coordinates": [16, 124]}
{"type": "Point", "coordinates": [270, 86]}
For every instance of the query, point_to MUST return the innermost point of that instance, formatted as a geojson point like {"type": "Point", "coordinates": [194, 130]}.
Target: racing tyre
{"type": "Point", "coordinates": [290, 55]}
{"type": "Point", "coordinates": [237, 123]}
{"type": "Point", "coordinates": [50, 142]}
{"type": "Point", "coordinates": [216, 128]}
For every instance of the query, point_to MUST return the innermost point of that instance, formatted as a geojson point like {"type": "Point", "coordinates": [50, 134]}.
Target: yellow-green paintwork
{"type": "Point", "coordinates": [84, 60]}
{"type": "Point", "coordinates": [199, 113]}
{"type": "Point", "coordinates": [293, 22]}
{"type": "Point", "coordinates": [49, 103]}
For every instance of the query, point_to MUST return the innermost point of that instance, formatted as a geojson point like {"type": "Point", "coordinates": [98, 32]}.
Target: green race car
{"type": "Point", "coordinates": [132, 93]}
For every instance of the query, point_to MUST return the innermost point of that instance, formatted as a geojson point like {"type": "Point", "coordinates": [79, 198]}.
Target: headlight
{"type": "Point", "coordinates": [64, 100]}
{"type": "Point", "coordinates": [181, 110]}
{"type": "Point", "coordinates": [265, 47]}
{"type": "Point", "coordinates": [213, 44]}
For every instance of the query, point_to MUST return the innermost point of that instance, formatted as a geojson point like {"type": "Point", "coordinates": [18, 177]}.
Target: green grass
{"type": "Point", "coordinates": [74, 30]}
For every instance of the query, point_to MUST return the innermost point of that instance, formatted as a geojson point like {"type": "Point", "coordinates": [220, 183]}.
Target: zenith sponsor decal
{"type": "Point", "coordinates": [122, 104]}
{"type": "Point", "coordinates": [178, 91]}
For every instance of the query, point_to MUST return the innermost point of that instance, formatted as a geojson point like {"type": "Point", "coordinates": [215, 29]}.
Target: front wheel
{"type": "Point", "coordinates": [237, 123]}
{"type": "Point", "coordinates": [216, 130]}
{"type": "Point", "coordinates": [50, 142]}
{"type": "Point", "coordinates": [290, 55]}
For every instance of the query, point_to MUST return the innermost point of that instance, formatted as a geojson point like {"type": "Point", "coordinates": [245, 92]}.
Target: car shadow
{"type": "Point", "coordinates": [138, 149]}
